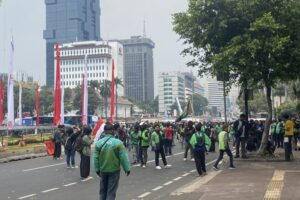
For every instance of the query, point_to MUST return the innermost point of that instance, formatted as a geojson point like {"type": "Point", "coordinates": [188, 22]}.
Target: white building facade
{"type": "Point", "coordinates": [99, 62]}
{"type": "Point", "coordinates": [215, 94]}
{"type": "Point", "coordinates": [172, 85]}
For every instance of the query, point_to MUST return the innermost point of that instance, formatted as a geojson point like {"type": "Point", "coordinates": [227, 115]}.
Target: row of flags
{"type": "Point", "coordinates": [58, 95]}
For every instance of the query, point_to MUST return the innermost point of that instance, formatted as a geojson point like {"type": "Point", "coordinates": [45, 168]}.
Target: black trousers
{"type": "Point", "coordinates": [241, 142]}
{"type": "Point", "coordinates": [163, 156]}
{"type": "Point", "coordinates": [188, 147]}
{"type": "Point", "coordinates": [200, 162]}
{"type": "Point", "coordinates": [109, 184]}
{"type": "Point", "coordinates": [144, 155]}
{"type": "Point", "coordinates": [228, 152]}
{"type": "Point", "coordinates": [57, 150]}
{"type": "Point", "coordinates": [279, 140]}
{"type": "Point", "coordinates": [85, 166]}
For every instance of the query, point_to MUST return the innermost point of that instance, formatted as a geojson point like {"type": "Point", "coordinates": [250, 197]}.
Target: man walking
{"type": "Point", "coordinates": [241, 134]}
{"type": "Point", "coordinates": [109, 155]}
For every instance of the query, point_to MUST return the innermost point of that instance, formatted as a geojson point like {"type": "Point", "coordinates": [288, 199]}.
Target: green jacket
{"type": "Point", "coordinates": [279, 128]}
{"type": "Point", "coordinates": [156, 139]}
{"type": "Point", "coordinates": [200, 137]}
{"type": "Point", "coordinates": [113, 154]}
{"type": "Point", "coordinates": [87, 141]}
{"type": "Point", "coordinates": [218, 129]}
{"type": "Point", "coordinates": [223, 140]}
{"type": "Point", "coordinates": [144, 137]}
{"type": "Point", "coordinates": [134, 137]}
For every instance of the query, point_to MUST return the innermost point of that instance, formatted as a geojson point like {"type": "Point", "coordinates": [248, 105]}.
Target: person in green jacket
{"type": "Point", "coordinates": [134, 138]}
{"type": "Point", "coordinates": [157, 143]}
{"type": "Point", "coordinates": [224, 147]}
{"type": "Point", "coordinates": [110, 154]}
{"type": "Point", "coordinates": [144, 144]}
{"type": "Point", "coordinates": [198, 145]}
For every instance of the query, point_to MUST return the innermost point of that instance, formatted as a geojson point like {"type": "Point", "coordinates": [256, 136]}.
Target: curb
{"type": "Point", "coordinates": [22, 157]}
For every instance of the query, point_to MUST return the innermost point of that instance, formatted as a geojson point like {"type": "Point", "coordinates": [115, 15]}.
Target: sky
{"type": "Point", "coordinates": [120, 19]}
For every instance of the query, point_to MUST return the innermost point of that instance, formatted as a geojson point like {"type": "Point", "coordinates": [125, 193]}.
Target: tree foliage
{"type": "Point", "coordinates": [256, 41]}
{"type": "Point", "coordinates": [258, 104]}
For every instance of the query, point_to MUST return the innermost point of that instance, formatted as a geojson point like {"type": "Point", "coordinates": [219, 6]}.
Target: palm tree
{"type": "Point", "coordinates": [105, 93]}
{"type": "Point", "coordinates": [118, 82]}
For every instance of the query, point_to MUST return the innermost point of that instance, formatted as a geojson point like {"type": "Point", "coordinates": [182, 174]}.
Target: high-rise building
{"type": "Point", "coordinates": [69, 21]}
{"type": "Point", "coordinates": [99, 62]}
{"type": "Point", "coordinates": [172, 85]}
{"type": "Point", "coordinates": [215, 94]}
{"type": "Point", "coordinates": [138, 68]}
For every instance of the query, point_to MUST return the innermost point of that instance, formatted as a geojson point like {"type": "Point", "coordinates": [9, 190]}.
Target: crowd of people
{"type": "Point", "coordinates": [197, 139]}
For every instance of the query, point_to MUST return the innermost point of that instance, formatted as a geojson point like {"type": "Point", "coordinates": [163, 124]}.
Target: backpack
{"type": "Point", "coordinates": [79, 143]}
{"type": "Point", "coordinates": [69, 144]}
{"type": "Point", "coordinates": [200, 145]}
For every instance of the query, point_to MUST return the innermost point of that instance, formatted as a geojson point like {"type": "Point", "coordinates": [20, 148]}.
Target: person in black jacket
{"type": "Point", "coordinates": [188, 133]}
{"type": "Point", "coordinates": [241, 134]}
{"type": "Point", "coordinates": [57, 139]}
{"type": "Point", "coordinates": [69, 146]}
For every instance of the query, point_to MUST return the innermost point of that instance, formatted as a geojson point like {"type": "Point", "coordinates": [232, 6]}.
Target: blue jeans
{"type": "Point", "coordinates": [70, 156]}
{"type": "Point", "coordinates": [109, 184]}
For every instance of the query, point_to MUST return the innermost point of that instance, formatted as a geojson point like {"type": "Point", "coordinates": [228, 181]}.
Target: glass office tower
{"type": "Point", "coordinates": [69, 21]}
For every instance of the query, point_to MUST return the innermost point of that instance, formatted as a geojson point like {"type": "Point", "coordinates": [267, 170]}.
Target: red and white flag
{"type": "Point", "coordinates": [10, 89]}
{"type": "Point", "coordinates": [1, 102]}
{"type": "Point", "coordinates": [112, 95]}
{"type": "Point", "coordinates": [57, 93]}
{"type": "Point", "coordinates": [98, 130]}
{"type": "Point", "coordinates": [85, 94]}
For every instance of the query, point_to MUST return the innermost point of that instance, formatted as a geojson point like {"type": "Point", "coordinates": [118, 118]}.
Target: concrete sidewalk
{"type": "Point", "coordinates": [253, 179]}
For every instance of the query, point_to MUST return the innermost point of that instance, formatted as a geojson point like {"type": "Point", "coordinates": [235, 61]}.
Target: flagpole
{"type": "Point", "coordinates": [62, 103]}
{"type": "Point", "coordinates": [20, 104]}
{"type": "Point", "coordinates": [10, 90]}
{"type": "Point", "coordinates": [85, 94]}
{"type": "Point", "coordinates": [112, 95]}
{"type": "Point", "coordinates": [37, 123]}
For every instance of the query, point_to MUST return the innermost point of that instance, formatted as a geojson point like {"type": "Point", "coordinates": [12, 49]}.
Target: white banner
{"type": "Point", "coordinates": [10, 89]}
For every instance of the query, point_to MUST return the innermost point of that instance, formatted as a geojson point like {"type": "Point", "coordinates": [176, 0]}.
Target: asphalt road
{"type": "Point", "coordinates": [47, 179]}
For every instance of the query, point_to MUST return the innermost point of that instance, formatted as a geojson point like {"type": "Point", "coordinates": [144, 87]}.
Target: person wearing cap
{"type": "Point", "coordinates": [86, 153]}
{"type": "Point", "coordinates": [109, 155]}
{"type": "Point", "coordinates": [224, 147]}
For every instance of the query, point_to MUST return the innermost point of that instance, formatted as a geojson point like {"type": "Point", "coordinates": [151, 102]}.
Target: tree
{"type": "Point", "coordinates": [105, 93]}
{"type": "Point", "coordinates": [68, 99]}
{"type": "Point", "coordinates": [46, 97]}
{"type": "Point", "coordinates": [256, 41]}
{"type": "Point", "coordinates": [118, 82]}
{"type": "Point", "coordinates": [93, 99]}
{"type": "Point", "coordinates": [199, 104]}
{"type": "Point", "coordinates": [258, 104]}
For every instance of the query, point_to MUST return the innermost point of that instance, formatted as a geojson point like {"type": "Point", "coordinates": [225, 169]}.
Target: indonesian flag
{"type": "Point", "coordinates": [112, 95]}
{"type": "Point", "coordinates": [1, 102]}
{"type": "Point", "coordinates": [37, 105]}
{"type": "Point", "coordinates": [98, 130]}
{"type": "Point", "coordinates": [85, 94]}
{"type": "Point", "coordinates": [57, 94]}
{"type": "Point", "coordinates": [10, 90]}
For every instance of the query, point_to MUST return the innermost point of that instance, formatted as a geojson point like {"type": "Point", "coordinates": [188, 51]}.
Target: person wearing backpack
{"type": "Point", "coordinates": [109, 155]}
{"type": "Point", "coordinates": [198, 143]}
{"type": "Point", "coordinates": [57, 139]}
{"type": "Point", "coordinates": [224, 147]}
{"type": "Point", "coordinates": [86, 153]}
{"type": "Point", "coordinates": [70, 148]}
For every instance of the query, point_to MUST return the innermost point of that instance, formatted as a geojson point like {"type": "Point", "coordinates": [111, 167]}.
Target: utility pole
{"type": "Point", "coordinates": [225, 106]}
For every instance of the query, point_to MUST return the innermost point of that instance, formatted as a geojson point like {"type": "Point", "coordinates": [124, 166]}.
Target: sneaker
{"type": "Point", "coordinates": [204, 173]}
{"type": "Point", "coordinates": [143, 166]}
{"type": "Point", "coordinates": [68, 167]}
{"type": "Point", "coordinates": [184, 159]}
{"type": "Point", "coordinates": [168, 166]}
{"type": "Point", "coordinates": [158, 167]}
{"type": "Point", "coordinates": [74, 167]}
{"type": "Point", "coordinates": [215, 168]}
{"type": "Point", "coordinates": [232, 167]}
{"type": "Point", "coordinates": [193, 159]}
